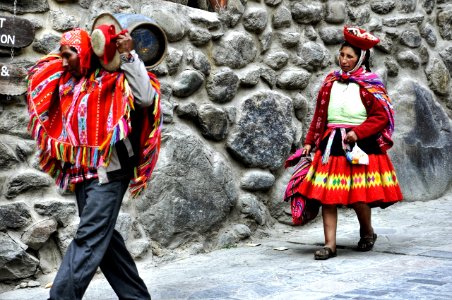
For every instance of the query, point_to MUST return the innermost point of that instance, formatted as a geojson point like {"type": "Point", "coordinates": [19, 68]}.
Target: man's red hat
{"type": "Point", "coordinates": [360, 38]}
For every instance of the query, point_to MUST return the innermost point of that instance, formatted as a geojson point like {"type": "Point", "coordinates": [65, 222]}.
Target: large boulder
{"type": "Point", "coordinates": [113, 6]}
{"type": "Point", "coordinates": [8, 157]}
{"type": "Point", "coordinates": [444, 21]}
{"type": "Point", "coordinates": [35, 236]}
{"type": "Point", "coordinates": [263, 136]}
{"type": "Point", "coordinates": [213, 122]}
{"type": "Point", "coordinates": [61, 211]}
{"type": "Point", "coordinates": [24, 181]}
{"type": "Point", "coordinates": [423, 143]}
{"type": "Point", "coordinates": [15, 263]}
{"type": "Point", "coordinates": [14, 216]}
{"type": "Point", "coordinates": [313, 56]}
{"type": "Point", "coordinates": [222, 86]}
{"type": "Point", "coordinates": [438, 76]}
{"type": "Point", "coordinates": [307, 12]}
{"type": "Point", "coordinates": [175, 28]}
{"type": "Point", "coordinates": [235, 50]}
{"type": "Point", "coordinates": [255, 19]}
{"type": "Point", "coordinates": [23, 7]}
{"type": "Point", "coordinates": [12, 122]}
{"type": "Point", "coordinates": [192, 190]}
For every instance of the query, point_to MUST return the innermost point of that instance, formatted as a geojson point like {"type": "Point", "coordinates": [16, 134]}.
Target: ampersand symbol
{"type": "Point", "coordinates": [4, 71]}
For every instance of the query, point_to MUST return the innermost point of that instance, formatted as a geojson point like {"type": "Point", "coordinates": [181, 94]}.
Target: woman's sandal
{"type": "Point", "coordinates": [366, 243]}
{"type": "Point", "coordinates": [324, 253]}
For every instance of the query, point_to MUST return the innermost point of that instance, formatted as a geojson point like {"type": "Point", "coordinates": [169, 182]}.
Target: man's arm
{"type": "Point", "coordinates": [135, 72]}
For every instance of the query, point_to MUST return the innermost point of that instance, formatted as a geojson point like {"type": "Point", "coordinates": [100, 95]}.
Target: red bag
{"type": "Point", "coordinates": [303, 210]}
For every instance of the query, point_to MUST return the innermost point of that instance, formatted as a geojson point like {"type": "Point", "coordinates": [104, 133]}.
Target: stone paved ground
{"type": "Point", "coordinates": [412, 259]}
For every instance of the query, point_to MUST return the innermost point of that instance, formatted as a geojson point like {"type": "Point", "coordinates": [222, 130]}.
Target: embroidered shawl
{"type": "Point", "coordinates": [367, 80]}
{"type": "Point", "coordinates": [78, 123]}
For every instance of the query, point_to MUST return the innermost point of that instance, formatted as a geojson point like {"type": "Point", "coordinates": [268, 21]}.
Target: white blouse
{"type": "Point", "coordinates": [345, 105]}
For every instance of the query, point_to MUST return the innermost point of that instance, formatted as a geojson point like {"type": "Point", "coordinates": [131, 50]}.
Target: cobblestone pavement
{"type": "Point", "coordinates": [412, 259]}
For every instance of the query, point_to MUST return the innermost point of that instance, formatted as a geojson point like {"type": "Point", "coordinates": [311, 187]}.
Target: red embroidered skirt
{"type": "Point", "coordinates": [341, 183]}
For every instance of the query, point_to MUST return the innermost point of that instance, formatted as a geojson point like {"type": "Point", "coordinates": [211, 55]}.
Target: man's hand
{"type": "Point", "coordinates": [124, 43]}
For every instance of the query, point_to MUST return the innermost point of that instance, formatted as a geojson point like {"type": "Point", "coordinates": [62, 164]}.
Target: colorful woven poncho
{"type": "Point", "coordinates": [76, 124]}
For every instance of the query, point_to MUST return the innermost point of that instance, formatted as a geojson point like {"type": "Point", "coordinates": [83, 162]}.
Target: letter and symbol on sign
{"type": "Point", "coordinates": [6, 38]}
{"type": "Point", "coordinates": [16, 32]}
{"type": "Point", "coordinates": [12, 79]}
{"type": "Point", "coordinates": [4, 72]}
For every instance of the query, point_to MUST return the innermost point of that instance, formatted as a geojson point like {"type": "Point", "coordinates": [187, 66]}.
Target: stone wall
{"type": "Point", "coordinates": [238, 90]}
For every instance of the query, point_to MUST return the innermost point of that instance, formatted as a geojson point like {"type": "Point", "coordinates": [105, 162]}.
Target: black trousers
{"type": "Point", "coordinates": [98, 244]}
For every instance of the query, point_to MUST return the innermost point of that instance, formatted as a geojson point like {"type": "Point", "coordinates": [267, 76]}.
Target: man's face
{"type": "Point", "coordinates": [71, 60]}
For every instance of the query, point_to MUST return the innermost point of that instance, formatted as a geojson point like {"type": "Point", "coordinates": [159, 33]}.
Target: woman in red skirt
{"type": "Point", "coordinates": [352, 108]}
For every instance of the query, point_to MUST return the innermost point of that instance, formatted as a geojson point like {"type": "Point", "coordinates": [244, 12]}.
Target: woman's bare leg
{"type": "Point", "coordinates": [364, 214]}
{"type": "Point", "coordinates": [329, 215]}
{"type": "Point", "coordinates": [366, 231]}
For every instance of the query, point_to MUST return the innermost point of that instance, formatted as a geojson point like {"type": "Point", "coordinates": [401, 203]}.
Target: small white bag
{"type": "Point", "coordinates": [357, 156]}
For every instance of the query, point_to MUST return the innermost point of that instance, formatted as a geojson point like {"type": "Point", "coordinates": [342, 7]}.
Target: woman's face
{"type": "Point", "coordinates": [347, 58]}
{"type": "Point", "coordinates": [71, 61]}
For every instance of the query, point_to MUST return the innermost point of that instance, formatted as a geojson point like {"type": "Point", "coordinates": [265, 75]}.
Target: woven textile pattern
{"type": "Point", "coordinates": [342, 183]}
{"type": "Point", "coordinates": [79, 122]}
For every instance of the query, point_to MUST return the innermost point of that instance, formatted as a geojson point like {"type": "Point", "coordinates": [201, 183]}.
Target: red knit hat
{"type": "Point", "coordinates": [360, 38]}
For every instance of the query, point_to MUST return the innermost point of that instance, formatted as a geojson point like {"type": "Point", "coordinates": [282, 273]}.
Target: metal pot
{"type": "Point", "coordinates": [150, 39]}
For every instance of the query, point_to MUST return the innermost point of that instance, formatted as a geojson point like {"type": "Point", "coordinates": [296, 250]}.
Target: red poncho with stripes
{"type": "Point", "coordinates": [78, 123]}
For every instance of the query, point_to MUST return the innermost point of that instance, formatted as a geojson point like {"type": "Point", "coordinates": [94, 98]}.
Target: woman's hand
{"type": "Point", "coordinates": [351, 137]}
{"type": "Point", "coordinates": [306, 150]}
